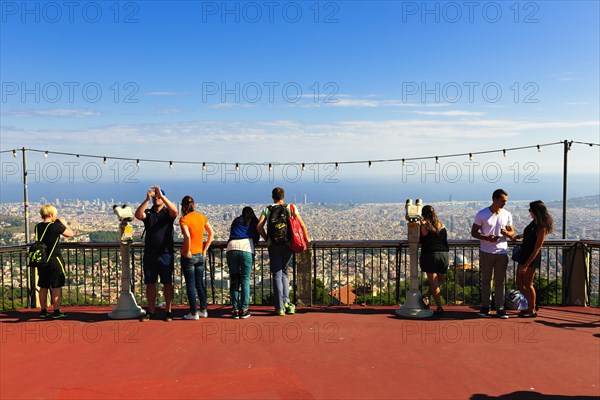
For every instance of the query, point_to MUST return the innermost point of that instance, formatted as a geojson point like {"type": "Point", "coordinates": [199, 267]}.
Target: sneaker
{"type": "Point", "coordinates": [245, 314]}
{"type": "Point", "coordinates": [290, 308]}
{"type": "Point", "coordinates": [168, 316]}
{"type": "Point", "coordinates": [502, 313]}
{"type": "Point", "coordinates": [235, 314]}
{"type": "Point", "coordinates": [58, 314]}
{"type": "Point", "coordinates": [203, 313]}
{"type": "Point", "coordinates": [147, 317]}
{"type": "Point", "coordinates": [43, 313]}
{"type": "Point", "coordinates": [485, 311]}
{"type": "Point", "coordinates": [191, 316]}
{"type": "Point", "coordinates": [281, 313]}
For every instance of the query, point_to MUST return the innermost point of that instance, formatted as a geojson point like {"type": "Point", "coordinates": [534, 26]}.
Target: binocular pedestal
{"type": "Point", "coordinates": [413, 306]}
{"type": "Point", "coordinates": [127, 307]}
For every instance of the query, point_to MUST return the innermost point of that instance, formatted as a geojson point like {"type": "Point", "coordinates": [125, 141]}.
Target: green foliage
{"type": "Point", "coordinates": [104, 237]}
{"type": "Point", "coordinates": [12, 220]}
{"type": "Point", "coordinates": [548, 292]}
{"type": "Point", "coordinates": [320, 295]}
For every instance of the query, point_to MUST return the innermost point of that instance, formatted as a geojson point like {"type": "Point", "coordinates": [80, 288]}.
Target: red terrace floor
{"type": "Point", "coordinates": [343, 353]}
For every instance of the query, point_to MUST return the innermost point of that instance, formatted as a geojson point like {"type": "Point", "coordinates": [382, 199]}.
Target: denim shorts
{"type": "Point", "coordinates": [158, 265]}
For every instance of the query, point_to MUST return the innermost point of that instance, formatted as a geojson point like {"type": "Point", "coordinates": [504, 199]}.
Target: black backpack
{"type": "Point", "coordinates": [38, 251]}
{"type": "Point", "coordinates": [278, 227]}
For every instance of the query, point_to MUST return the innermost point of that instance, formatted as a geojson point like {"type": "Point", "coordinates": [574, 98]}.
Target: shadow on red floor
{"type": "Point", "coordinates": [318, 353]}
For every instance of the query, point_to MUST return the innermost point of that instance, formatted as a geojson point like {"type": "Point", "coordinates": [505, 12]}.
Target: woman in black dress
{"type": "Point", "coordinates": [530, 257]}
{"type": "Point", "coordinates": [434, 253]}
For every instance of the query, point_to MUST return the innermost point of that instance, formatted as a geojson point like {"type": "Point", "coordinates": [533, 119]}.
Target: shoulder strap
{"type": "Point", "coordinates": [36, 233]}
{"type": "Point", "coordinates": [292, 211]}
{"type": "Point", "coordinates": [53, 247]}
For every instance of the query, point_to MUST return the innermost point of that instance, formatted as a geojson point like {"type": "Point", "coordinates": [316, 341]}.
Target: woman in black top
{"type": "Point", "coordinates": [434, 253]}
{"type": "Point", "coordinates": [530, 256]}
{"type": "Point", "coordinates": [52, 276]}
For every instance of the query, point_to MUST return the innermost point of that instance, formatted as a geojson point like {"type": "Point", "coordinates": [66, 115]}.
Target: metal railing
{"type": "Point", "coordinates": [366, 272]}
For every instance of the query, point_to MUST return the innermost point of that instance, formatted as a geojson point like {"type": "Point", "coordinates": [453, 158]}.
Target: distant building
{"type": "Point", "coordinates": [344, 295]}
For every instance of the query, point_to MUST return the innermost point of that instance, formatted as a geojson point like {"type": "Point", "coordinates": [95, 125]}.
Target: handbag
{"type": "Point", "coordinates": [298, 243]}
{"type": "Point", "coordinates": [516, 254]}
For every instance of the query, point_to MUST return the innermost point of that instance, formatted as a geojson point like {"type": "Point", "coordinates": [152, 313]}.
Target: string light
{"type": "Point", "coordinates": [270, 167]}
{"type": "Point", "coordinates": [337, 166]}
{"type": "Point", "coordinates": [105, 160]}
{"type": "Point", "coordinates": [539, 148]}
{"type": "Point", "coordinates": [437, 160]}
{"type": "Point", "coordinates": [237, 166]}
{"type": "Point", "coordinates": [137, 162]}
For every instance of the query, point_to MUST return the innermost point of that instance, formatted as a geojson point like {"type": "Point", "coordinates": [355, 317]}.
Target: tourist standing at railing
{"type": "Point", "coordinates": [530, 256]}
{"type": "Point", "coordinates": [158, 248]}
{"type": "Point", "coordinates": [51, 276]}
{"type": "Point", "coordinates": [193, 256]}
{"type": "Point", "coordinates": [493, 226]}
{"type": "Point", "coordinates": [276, 217]}
{"type": "Point", "coordinates": [243, 236]}
{"type": "Point", "coordinates": [434, 253]}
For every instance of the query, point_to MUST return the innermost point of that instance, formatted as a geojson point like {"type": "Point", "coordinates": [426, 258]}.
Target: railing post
{"type": "Point", "coordinates": [303, 277]}
{"type": "Point", "coordinates": [564, 202]}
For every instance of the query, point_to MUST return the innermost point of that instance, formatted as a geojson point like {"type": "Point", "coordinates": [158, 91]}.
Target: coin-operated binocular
{"type": "Point", "coordinates": [413, 211]}
{"type": "Point", "coordinates": [125, 215]}
{"type": "Point", "coordinates": [414, 306]}
{"type": "Point", "coordinates": [126, 304]}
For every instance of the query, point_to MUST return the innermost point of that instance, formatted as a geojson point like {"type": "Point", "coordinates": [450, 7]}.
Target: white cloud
{"type": "Point", "coordinates": [454, 113]}
{"type": "Point", "coordinates": [166, 111]}
{"type": "Point", "coordinates": [161, 93]}
{"type": "Point", "coordinates": [52, 112]}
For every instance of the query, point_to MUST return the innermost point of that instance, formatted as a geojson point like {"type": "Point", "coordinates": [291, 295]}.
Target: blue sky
{"type": "Point", "coordinates": [302, 81]}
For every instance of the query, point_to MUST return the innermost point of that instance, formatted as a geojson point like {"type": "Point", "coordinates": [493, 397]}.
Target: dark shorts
{"type": "Point", "coordinates": [434, 263]}
{"type": "Point", "coordinates": [158, 265]}
{"type": "Point", "coordinates": [53, 274]}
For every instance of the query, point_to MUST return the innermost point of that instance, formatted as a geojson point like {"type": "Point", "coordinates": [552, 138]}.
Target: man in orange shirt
{"type": "Point", "coordinates": [193, 256]}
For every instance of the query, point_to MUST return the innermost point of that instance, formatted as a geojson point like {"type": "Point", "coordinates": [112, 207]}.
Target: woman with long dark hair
{"type": "Point", "coordinates": [243, 237]}
{"type": "Point", "coordinates": [434, 253]}
{"type": "Point", "coordinates": [530, 256]}
{"type": "Point", "coordinates": [193, 256]}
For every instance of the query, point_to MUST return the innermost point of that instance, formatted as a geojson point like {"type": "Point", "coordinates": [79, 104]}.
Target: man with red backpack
{"type": "Point", "coordinates": [276, 217]}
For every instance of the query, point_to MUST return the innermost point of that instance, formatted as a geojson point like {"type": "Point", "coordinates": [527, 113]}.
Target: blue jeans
{"type": "Point", "coordinates": [279, 256]}
{"type": "Point", "coordinates": [240, 266]}
{"type": "Point", "coordinates": [193, 271]}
